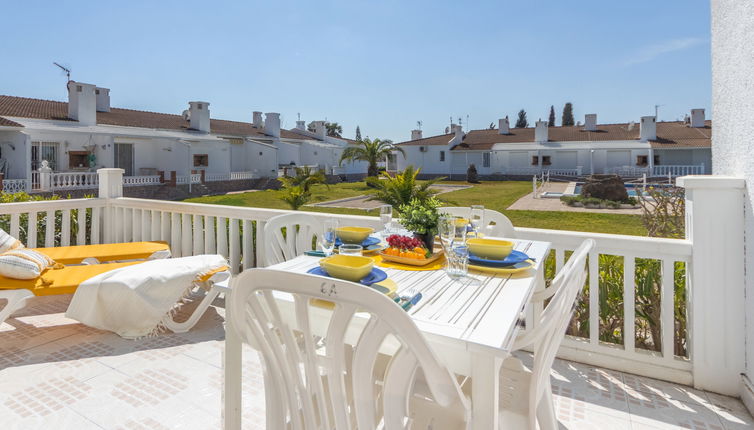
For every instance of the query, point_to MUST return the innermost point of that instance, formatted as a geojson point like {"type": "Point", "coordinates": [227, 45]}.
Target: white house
{"type": "Point", "coordinates": [649, 147]}
{"type": "Point", "coordinates": [86, 133]}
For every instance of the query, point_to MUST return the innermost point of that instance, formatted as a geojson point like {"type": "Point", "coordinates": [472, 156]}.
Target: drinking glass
{"type": "Point", "coordinates": [461, 228]}
{"type": "Point", "coordinates": [457, 262]}
{"type": "Point", "coordinates": [447, 231]}
{"type": "Point", "coordinates": [386, 216]}
{"type": "Point", "coordinates": [350, 249]}
{"type": "Point", "coordinates": [329, 236]}
{"type": "Point", "coordinates": [477, 218]}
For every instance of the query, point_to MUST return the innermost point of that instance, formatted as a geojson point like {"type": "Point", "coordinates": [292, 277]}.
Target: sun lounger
{"type": "Point", "coordinates": [68, 279]}
{"type": "Point", "coordinates": [89, 254]}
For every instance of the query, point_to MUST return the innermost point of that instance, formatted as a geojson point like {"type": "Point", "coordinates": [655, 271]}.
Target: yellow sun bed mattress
{"type": "Point", "coordinates": [60, 281]}
{"type": "Point", "coordinates": [104, 252]}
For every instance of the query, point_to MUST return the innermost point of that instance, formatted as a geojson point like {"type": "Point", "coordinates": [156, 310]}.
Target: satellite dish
{"type": "Point", "coordinates": [186, 115]}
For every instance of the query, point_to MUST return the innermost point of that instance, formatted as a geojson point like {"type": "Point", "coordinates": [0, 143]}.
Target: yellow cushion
{"type": "Point", "coordinates": [62, 281]}
{"type": "Point", "coordinates": [104, 252]}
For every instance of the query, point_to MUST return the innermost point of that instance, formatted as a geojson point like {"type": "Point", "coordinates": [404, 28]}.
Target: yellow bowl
{"type": "Point", "coordinates": [493, 249]}
{"type": "Point", "coordinates": [354, 235]}
{"type": "Point", "coordinates": [349, 267]}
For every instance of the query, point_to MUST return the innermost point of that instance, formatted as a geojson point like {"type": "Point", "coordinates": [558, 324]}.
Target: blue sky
{"type": "Point", "coordinates": [382, 65]}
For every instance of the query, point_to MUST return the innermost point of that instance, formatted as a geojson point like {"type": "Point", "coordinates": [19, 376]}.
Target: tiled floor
{"type": "Point", "coordinates": [58, 374]}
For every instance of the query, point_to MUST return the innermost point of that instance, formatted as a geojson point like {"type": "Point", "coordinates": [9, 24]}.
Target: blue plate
{"type": "Point", "coordinates": [515, 257]}
{"type": "Point", "coordinates": [369, 241]}
{"type": "Point", "coordinates": [375, 276]}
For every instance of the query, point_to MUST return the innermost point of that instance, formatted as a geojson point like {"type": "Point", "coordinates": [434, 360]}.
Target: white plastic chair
{"type": "Point", "coordinates": [495, 223]}
{"type": "Point", "coordinates": [334, 379]}
{"type": "Point", "coordinates": [526, 394]}
{"type": "Point", "coordinates": [301, 231]}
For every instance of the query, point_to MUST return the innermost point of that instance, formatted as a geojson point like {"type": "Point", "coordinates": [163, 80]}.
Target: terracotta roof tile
{"type": "Point", "coordinates": [8, 123]}
{"type": "Point", "coordinates": [668, 133]}
{"type": "Point", "coordinates": [53, 110]}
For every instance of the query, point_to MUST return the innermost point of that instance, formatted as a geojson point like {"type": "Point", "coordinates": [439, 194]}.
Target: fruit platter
{"type": "Point", "coordinates": [408, 250]}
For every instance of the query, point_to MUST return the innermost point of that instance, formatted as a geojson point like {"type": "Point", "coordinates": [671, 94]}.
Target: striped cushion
{"type": "Point", "coordinates": [8, 242]}
{"type": "Point", "coordinates": [24, 264]}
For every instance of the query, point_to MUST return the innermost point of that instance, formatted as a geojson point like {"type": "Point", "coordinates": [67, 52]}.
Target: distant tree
{"type": "Point", "coordinates": [522, 122]}
{"type": "Point", "coordinates": [551, 121]}
{"type": "Point", "coordinates": [334, 129]}
{"type": "Point", "coordinates": [492, 126]}
{"type": "Point", "coordinates": [567, 115]}
{"type": "Point", "coordinates": [371, 151]}
{"type": "Point", "coordinates": [358, 133]}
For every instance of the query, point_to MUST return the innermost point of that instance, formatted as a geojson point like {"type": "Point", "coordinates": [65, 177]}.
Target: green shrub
{"type": "Point", "coordinates": [296, 197]}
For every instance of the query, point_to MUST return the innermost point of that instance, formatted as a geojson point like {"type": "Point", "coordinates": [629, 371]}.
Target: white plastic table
{"type": "Point", "coordinates": [471, 325]}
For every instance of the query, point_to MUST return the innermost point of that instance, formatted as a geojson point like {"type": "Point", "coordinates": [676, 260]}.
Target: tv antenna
{"type": "Point", "coordinates": [66, 70]}
{"type": "Point", "coordinates": [419, 125]}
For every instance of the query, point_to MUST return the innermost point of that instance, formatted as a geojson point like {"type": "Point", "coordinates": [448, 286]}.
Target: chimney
{"type": "Point", "coordinates": [301, 125]}
{"type": "Point", "coordinates": [648, 128]}
{"type": "Point", "coordinates": [319, 129]}
{"type": "Point", "coordinates": [416, 134]}
{"type": "Point", "coordinates": [457, 135]}
{"type": "Point", "coordinates": [199, 116]}
{"type": "Point", "coordinates": [272, 124]}
{"type": "Point", "coordinates": [697, 118]}
{"type": "Point", "coordinates": [503, 126]}
{"type": "Point", "coordinates": [82, 103]}
{"type": "Point", "coordinates": [540, 131]}
{"type": "Point", "coordinates": [590, 122]}
{"type": "Point", "coordinates": [103, 99]}
{"type": "Point", "coordinates": [257, 119]}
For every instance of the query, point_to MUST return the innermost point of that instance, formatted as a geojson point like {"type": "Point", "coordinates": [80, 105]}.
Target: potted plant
{"type": "Point", "coordinates": [420, 216]}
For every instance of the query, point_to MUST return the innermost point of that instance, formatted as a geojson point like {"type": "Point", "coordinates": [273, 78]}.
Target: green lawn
{"type": "Point", "coordinates": [493, 195]}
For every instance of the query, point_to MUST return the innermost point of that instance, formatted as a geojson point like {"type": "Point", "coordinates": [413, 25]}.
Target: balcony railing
{"type": "Point", "coordinates": [16, 185]}
{"type": "Point", "coordinates": [543, 170]}
{"type": "Point", "coordinates": [648, 307]}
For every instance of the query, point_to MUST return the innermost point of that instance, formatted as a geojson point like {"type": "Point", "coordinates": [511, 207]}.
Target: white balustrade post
{"type": "Point", "coordinates": [715, 226]}
{"type": "Point", "coordinates": [110, 187]}
{"type": "Point", "coordinates": [45, 177]}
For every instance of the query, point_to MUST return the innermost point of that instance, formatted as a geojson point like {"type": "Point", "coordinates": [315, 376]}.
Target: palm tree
{"type": "Point", "coordinates": [371, 151]}
{"type": "Point", "coordinates": [334, 129]}
{"type": "Point", "coordinates": [400, 189]}
{"type": "Point", "coordinates": [305, 178]}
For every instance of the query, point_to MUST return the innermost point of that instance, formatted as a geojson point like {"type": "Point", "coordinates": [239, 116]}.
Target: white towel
{"type": "Point", "coordinates": [135, 301]}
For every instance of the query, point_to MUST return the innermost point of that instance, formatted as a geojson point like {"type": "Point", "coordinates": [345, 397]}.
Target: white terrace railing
{"type": "Point", "coordinates": [133, 181]}
{"type": "Point", "coordinates": [194, 178]}
{"type": "Point", "coordinates": [16, 185]}
{"type": "Point", "coordinates": [232, 176]}
{"type": "Point", "coordinates": [628, 171]}
{"type": "Point", "coordinates": [638, 288]}
{"type": "Point", "coordinates": [544, 170]}
{"type": "Point", "coordinates": [678, 170]}
{"type": "Point", "coordinates": [73, 180]}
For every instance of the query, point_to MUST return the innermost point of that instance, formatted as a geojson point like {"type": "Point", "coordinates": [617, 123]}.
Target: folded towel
{"type": "Point", "coordinates": [135, 301]}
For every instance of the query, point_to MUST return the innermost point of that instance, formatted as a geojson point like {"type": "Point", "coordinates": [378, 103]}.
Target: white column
{"type": "Point", "coordinates": [110, 187]}
{"type": "Point", "coordinates": [45, 177]}
{"type": "Point", "coordinates": [110, 183]}
{"type": "Point", "coordinates": [715, 225]}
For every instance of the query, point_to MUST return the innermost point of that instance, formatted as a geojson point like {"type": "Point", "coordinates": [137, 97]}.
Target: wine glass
{"type": "Point", "coordinates": [386, 217]}
{"type": "Point", "coordinates": [328, 238]}
{"type": "Point", "coordinates": [477, 218]}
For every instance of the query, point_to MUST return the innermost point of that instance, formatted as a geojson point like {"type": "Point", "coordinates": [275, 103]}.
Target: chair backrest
{"type": "Point", "coordinates": [320, 364]}
{"type": "Point", "coordinates": [289, 235]}
{"type": "Point", "coordinates": [495, 223]}
{"type": "Point", "coordinates": [554, 320]}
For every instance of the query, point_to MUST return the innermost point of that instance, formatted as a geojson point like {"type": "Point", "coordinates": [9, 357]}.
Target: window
{"type": "Point", "coordinates": [535, 160]}
{"type": "Point", "coordinates": [201, 160]}
{"type": "Point", "coordinates": [44, 151]}
{"type": "Point", "coordinates": [656, 159]}
{"type": "Point", "coordinates": [546, 160]}
{"type": "Point", "coordinates": [260, 153]}
{"type": "Point", "coordinates": [486, 159]}
{"type": "Point", "coordinates": [442, 155]}
{"type": "Point", "coordinates": [642, 160]}
{"type": "Point", "coordinates": [78, 159]}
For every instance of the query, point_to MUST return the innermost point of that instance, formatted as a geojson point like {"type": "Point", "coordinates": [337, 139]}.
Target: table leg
{"type": "Point", "coordinates": [232, 375]}
{"type": "Point", "coordinates": [485, 391]}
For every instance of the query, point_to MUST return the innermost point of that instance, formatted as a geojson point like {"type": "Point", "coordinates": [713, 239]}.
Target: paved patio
{"type": "Point", "coordinates": [56, 373]}
{"type": "Point", "coordinates": [529, 203]}
{"type": "Point", "coordinates": [362, 202]}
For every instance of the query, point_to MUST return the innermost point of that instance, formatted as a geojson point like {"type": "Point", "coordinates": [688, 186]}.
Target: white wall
{"type": "Point", "coordinates": [219, 155]}
{"type": "Point", "coordinates": [733, 110]}
{"type": "Point", "coordinates": [429, 161]}
{"type": "Point", "coordinates": [288, 152]}
{"type": "Point", "coordinates": [19, 158]}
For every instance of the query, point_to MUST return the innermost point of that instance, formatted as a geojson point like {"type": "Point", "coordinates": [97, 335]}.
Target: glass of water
{"type": "Point", "coordinates": [386, 217]}
{"type": "Point", "coordinates": [350, 249]}
{"type": "Point", "coordinates": [457, 262]}
{"type": "Point", "coordinates": [477, 219]}
{"type": "Point", "coordinates": [447, 231]}
{"type": "Point", "coordinates": [329, 236]}
{"type": "Point", "coordinates": [461, 229]}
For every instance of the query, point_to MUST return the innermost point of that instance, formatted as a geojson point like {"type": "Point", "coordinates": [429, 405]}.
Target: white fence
{"type": "Point", "coordinates": [133, 181]}
{"type": "Point", "coordinates": [74, 180]}
{"type": "Point", "coordinates": [232, 176]}
{"type": "Point", "coordinates": [657, 170]}
{"type": "Point", "coordinates": [195, 178]}
{"type": "Point", "coordinates": [235, 232]}
{"type": "Point", "coordinates": [16, 185]}
{"type": "Point", "coordinates": [547, 171]}
{"type": "Point", "coordinates": [628, 171]}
